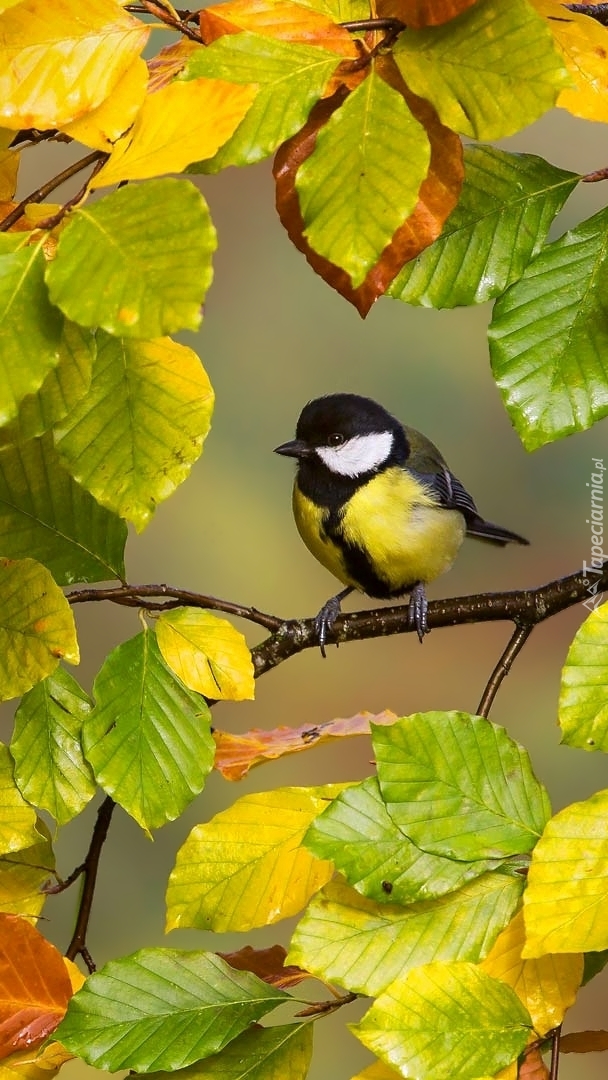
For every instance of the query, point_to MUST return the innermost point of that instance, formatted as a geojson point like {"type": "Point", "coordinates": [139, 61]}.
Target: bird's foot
{"type": "Point", "coordinates": [327, 616]}
{"type": "Point", "coordinates": [418, 611]}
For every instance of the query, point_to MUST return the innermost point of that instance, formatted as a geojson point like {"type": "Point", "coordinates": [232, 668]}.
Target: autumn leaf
{"type": "Point", "coordinates": [268, 964]}
{"type": "Point", "coordinates": [34, 986]}
{"type": "Point", "coordinates": [178, 124]}
{"type": "Point", "coordinates": [583, 43]}
{"type": "Point", "coordinates": [547, 986]}
{"type": "Point", "coordinates": [58, 61]}
{"type": "Point", "coordinates": [208, 654]}
{"type": "Point", "coordinates": [437, 197]}
{"type": "Point", "coordinates": [282, 19]}
{"type": "Point", "coordinates": [237, 754]}
{"type": "Point", "coordinates": [101, 127]}
{"type": "Point", "coordinates": [584, 1042]}
{"type": "Point", "coordinates": [418, 13]}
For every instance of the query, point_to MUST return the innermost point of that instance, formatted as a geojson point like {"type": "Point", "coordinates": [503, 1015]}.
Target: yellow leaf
{"type": "Point", "coordinates": [583, 43]}
{"type": "Point", "coordinates": [566, 899]}
{"type": "Point", "coordinates": [245, 867]}
{"type": "Point", "coordinates": [59, 60]}
{"type": "Point", "coordinates": [41, 1063]}
{"type": "Point", "coordinates": [547, 986]}
{"type": "Point", "coordinates": [9, 166]}
{"type": "Point", "coordinates": [182, 123]}
{"type": "Point", "coordinates": [168, 63]}
{"type": "Point", "coordinates": [208, 654]}
{"type": "Point", "coordinates": [75, 975]}
{"type": "Point", "coordinates": [101, 127]}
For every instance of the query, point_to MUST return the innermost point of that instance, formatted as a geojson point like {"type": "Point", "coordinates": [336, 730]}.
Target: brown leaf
{"type": "Point", "coordinates": [584, 1042]}
{"type": "Point", "coordinates": [268, 964]}
{"type": "Point", "coordinates": [419, 13]}
{"type": "Point", "coordinates": [237, 754]}
{"type": "Point", "coordinates": [282, 19]}
{"type": "Point", "coordinates": [533, 1067]}
{"type": "Point", "coordinates": [437, 197]}
{"type": "Point", "coordinates": [168, 63]}
{"type": "Point", "coordinates": [34, 986]}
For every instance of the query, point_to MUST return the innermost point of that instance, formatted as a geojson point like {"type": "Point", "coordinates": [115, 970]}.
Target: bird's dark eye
{"type": "Point", "coordinates": [336, 439]}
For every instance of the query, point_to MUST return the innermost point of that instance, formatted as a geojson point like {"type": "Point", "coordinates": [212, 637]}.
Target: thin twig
{"type": "Point", "coordinates": [78, 944]}
{"type": "Point", "coordinates": [157, 8]}
{"type": "Point", "coordinates": [41, 193]}
{"type": "Point", "coordinates": [323, 1008]}
{"type": "Point", "coordinates": [54, 219]}
{"type": "Point", "coordinates": [64, 883]}
{"type": "Point", "coordinates": [554, 1070]}
{"type": "Point", "coordinates": [135, 596]}
{"type": "Point", "coordinates": [516, 643]}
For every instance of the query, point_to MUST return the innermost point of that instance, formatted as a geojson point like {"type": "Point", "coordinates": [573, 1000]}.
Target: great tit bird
{"type": "Point", "coordinates": [376, 504]}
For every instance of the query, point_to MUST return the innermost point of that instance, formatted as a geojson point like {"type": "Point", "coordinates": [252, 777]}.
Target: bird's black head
{"type": "Point", "coordinates": [347, 439]}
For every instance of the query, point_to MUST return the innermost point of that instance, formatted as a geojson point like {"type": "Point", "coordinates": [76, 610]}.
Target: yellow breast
{"type": "Point", "coordinates": [405, 536]}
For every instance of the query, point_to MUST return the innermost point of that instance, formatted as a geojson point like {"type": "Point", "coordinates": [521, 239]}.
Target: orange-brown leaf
{"type": "Point", "coordinates": [268, 964]}
{"type": "Point", "coordinates": [437, 198]}
{"type": "Point", "coordinates": [34, 986]}
{"type": "Point", "coordinates": [168, 63]}
{"type": "Point", "coordinates": [284, 20]}
{"type": "Point", "coordinates": [533, 1067]}
{"type": "Point", "coordinates": [419, 13]}
{"type": "Point", "coordinates": [237, 754]}
{"type": "Point", "coordinates": [584, 1042]}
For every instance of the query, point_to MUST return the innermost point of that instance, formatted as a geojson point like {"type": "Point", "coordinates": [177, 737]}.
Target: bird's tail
{"type": "Point", "coordinates": [493, 534]}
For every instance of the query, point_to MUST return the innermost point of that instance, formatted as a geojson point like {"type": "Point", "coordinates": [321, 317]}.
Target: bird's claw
{"type": "Point", "coordinates": [418, 611]}
{"type": "Point", "coordinates": [325, 620]}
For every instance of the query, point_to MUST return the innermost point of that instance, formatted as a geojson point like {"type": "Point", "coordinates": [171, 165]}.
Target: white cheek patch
{"type": "Point", "coordinates": [358, 455]}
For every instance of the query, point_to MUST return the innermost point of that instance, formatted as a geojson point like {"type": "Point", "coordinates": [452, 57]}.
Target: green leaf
{"type": "Point", "coordinates": [376, 857]}
{"type": "Point", "coordinates": [50, 769]}
{"type": "Point", "coordinates": [459, 786]}
{"type": "Point", "coordinates": [36, 626]}
{"type": "Point", "coordinates": [363, 177]}
{"type": "Point", "coordinates": [291, 78]}
{"type": "Point", "coordinates": [162, 1009]}
{"type": "Point", "coordinates": [30, 327]}
{"type": "Point", "coordinates": [246, 867]}
{"type": "Point", "coordinates": [273, 1053]}
{"type": "Point", "coordinates": [583, 699]}
{"type": "Point", "coordinates": [18, 823]}
{"type": "Point", "coordinates": [364, 945]}
{"type": "Point", "coordinates": [549, 337]}
{"type": "Point", "coordinates": [134, 437]}
{"type": "Point", "coordinates": [62, 388]}
{"type": "Point", "coordinates": [22, 874]}
{"type": "Point", "coordinates": [489, 72]}
{"type": "Point", "coordinates": [137, 262]}
{"type": "Point", "coordinates": [339, 10]}
{"type": "Point", "coordinates": [448, 1022]}
{"type": "Point", "coordinates": [506, 206]}
{"type": "Point", "coordinates": [45, 514]}
{"type": "Point", "coordinates": [566, 898]}
{"type": "Point", "coordinates": [147, 739]}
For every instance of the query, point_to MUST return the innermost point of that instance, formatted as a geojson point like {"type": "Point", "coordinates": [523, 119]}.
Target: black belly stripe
{"type": "Point", "coordinates": [358, 563]}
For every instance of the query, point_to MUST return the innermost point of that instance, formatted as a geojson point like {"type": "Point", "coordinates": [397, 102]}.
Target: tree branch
{"type": "Point", "coordinates": [526, 608]}
{"type": "Point", "coordinates": [78, 944]}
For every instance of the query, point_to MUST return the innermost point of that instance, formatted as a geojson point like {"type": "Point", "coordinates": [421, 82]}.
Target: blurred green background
{"type": "Point", "coordinates": [273, 337]}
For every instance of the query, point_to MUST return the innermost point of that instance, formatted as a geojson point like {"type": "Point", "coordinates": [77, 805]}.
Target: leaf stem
{"type": "Point", "coordinates": [171, 18]}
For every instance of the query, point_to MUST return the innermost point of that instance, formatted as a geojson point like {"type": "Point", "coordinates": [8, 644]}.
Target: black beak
{"type": "Point", "coordinates": [296, 448]}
